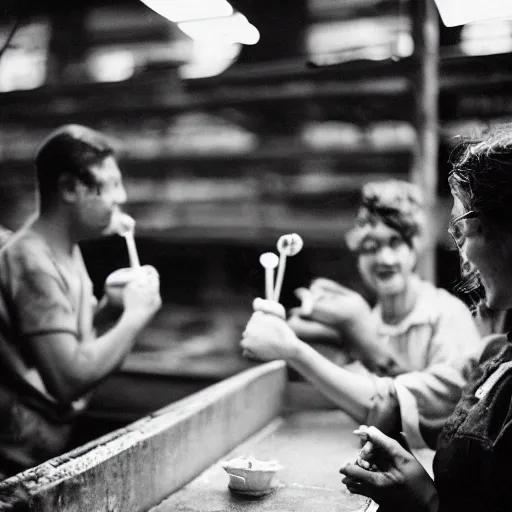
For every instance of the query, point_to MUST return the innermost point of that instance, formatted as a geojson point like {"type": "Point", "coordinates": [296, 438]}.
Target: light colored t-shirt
{"type": "Point", "coordinates": [40, 296]}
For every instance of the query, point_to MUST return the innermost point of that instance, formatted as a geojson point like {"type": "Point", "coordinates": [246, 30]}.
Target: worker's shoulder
{"type": "Point", "coordinates": [25, 251]}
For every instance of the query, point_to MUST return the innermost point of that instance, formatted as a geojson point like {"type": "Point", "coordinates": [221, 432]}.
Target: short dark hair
{"type": "Point", "coordinates": [71, 149]}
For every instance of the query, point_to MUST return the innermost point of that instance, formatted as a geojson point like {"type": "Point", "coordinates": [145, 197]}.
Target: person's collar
{"type": "Point", "coordinates": [424, 311]}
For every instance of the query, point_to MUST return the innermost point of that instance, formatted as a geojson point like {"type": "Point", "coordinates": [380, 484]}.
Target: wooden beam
{"type": "Point", "coordinates": [346, 10]}
{"type": "Point", "coordinates": [360, 96]}
{"type": "Point", "coordinates": [426, 85]}
{"type": "Point", "coordinates": [133, 98]}
{"type": "Point", "coordinates": [355, 160]}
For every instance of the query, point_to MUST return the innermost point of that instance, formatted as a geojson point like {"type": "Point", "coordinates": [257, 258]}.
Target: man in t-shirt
{"type": "Point", "coordinates": [50, 355]}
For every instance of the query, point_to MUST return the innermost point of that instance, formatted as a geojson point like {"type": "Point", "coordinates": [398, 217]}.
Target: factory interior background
{"type": "Point", "coordinates": [235, 123]}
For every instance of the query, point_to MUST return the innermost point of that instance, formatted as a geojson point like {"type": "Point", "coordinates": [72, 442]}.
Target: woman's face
{"type": "Point", "coordinates": [386, 262]}
{"type": "Point", "coordinates": [490, 255]}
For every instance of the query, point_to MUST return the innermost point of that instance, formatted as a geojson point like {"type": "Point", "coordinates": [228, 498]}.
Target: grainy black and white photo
{"type": "Point", "coordinates": [255, 256]}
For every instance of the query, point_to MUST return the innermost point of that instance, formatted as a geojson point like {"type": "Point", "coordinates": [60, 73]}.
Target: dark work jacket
{"type": "Point", "coordinates": [473, 462]}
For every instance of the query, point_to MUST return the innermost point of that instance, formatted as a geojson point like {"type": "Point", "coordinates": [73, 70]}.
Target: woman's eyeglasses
{"type": "Point", "coordinates": [455, 229]}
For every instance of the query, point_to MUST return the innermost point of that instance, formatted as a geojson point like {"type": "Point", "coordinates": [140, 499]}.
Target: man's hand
{"type": "Point", "coordinates": [390, 475]}
{"type": "Point", "coordinates": [141, 296]}
{"type": "Point", "coordinates": [267, 335]}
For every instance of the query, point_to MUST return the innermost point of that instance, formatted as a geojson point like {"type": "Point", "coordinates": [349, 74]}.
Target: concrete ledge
{"type": "Point", "coordinates": [135, 468]}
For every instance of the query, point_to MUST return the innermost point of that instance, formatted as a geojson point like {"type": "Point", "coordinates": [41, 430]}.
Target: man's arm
{"type": "Point", "coordinates": [106, 315]}
{"type": "Point", "coordinates": [68, 366]}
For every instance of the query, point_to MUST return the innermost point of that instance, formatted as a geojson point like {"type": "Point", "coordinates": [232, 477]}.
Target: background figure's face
{"type": "Point", "coordinates": [386, 262]}
{"type": "Point", "coordinates": [490, 255]}
{"type": "Point", "coordinates": [96, 205]}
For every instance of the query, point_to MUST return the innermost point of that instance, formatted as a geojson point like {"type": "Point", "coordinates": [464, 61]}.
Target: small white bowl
{"type": "Point", "coordinates": [115, 283]}
{"type": "Point", "coordinates": [249, 475]}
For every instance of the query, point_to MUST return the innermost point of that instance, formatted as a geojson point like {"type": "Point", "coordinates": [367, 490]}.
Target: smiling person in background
{"type": "Point", "coordinates": [413, 343]}
{"type": "Point", "coordinates": [50, 355]}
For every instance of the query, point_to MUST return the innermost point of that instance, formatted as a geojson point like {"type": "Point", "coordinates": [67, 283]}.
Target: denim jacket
{"type": "Point", "coordinates": [473, 463]}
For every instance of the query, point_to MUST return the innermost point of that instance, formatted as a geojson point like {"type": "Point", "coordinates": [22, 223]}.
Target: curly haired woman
{"type": "Point", "coordinates": [411, 347]}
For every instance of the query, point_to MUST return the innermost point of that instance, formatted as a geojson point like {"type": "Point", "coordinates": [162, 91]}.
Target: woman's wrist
{"type": "Point", "coordinates": [297, 352]}
{"type": "Point", "coordinates": [425, 496]}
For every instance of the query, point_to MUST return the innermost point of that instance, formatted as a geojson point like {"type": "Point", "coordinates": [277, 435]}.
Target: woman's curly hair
{"type": "Point", "coordinates": [481, 177]}
{"type": "Point", "coordinates": [396, 203]}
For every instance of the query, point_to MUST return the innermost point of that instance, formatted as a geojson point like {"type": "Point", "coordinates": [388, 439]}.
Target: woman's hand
{"type": "Point", "coordinates": [390, 475]}
{"type": "Point", "coordinates": [267, 336]}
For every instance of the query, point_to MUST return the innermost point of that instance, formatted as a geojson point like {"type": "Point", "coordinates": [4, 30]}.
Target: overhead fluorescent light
{"type": "Point", "coordinates": [207, 19]}
{"type": "Point", "coordinates": [185, 10]}
{"type": "Point", "coordinates": [230, 29]}
{"type": "Point", "coordinates": [460, 12]}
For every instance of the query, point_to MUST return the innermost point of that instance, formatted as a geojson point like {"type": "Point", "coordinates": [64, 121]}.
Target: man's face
{"type": "Point", "coordinates": [96, 205]}
{"type": "Point", "coordinates": [386, 262]}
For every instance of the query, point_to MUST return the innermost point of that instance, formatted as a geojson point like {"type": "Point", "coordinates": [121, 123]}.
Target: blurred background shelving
{"type": "Point", "coordinates": [225, 146]}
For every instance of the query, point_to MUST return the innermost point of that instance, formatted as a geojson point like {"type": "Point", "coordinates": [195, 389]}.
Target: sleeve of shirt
{"type": "Point", "coordinates": [498, 481]}
{"type": "Point", "coordinates": [40, 302]}
{"type": "Point", "coordinates": [427, 398]}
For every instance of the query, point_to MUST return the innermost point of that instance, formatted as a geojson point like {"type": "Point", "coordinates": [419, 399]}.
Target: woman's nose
{"type": "Point", "coordinates": [386, 255]}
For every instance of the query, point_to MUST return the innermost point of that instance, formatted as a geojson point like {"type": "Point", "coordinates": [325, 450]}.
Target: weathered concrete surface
{"type": "Point", "coordinates": [311, 445]}
{"type": "Point", "coordinates": [133, 469]}
{"type": "Point", "coordinates": [151, 380]}
{"type": "Point", "coordinates": [303, 396]}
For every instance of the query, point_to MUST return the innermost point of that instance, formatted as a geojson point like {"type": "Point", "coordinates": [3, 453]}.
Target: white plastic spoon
{"type": "Point", "coordinates": [287, 245]}
{"type": "Point", "coordinates": [269, 262]}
